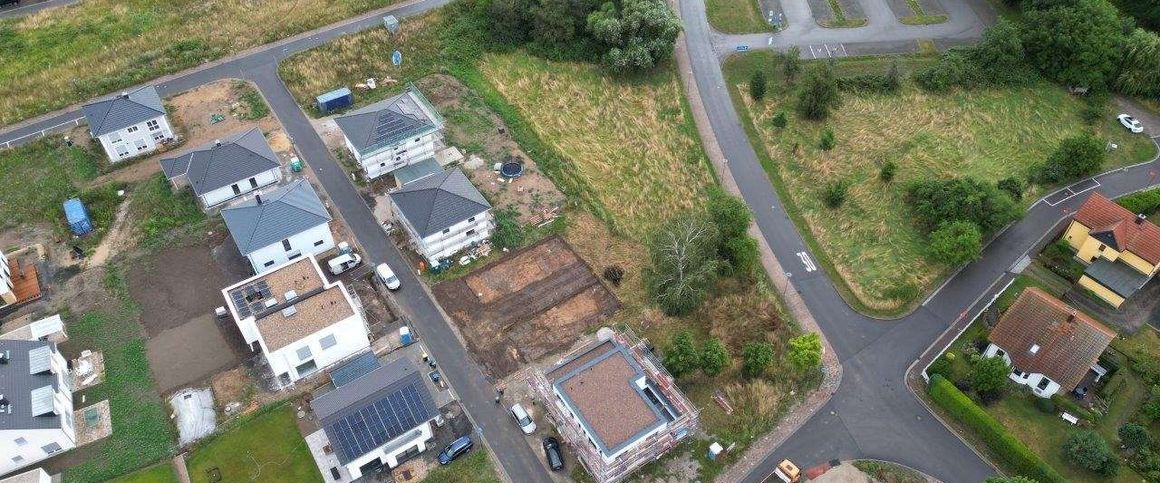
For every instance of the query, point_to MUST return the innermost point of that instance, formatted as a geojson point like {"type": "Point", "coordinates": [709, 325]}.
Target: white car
{"type": "Point", "coordinates": [387, 276]}
{"type": "Point", "coordinates": [523, 419]}
{"type": "Point", "coordinates": [1131, 123]}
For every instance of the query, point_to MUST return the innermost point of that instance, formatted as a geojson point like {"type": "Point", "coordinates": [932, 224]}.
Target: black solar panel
{"type": "Point", "coordinates": [380, 421]}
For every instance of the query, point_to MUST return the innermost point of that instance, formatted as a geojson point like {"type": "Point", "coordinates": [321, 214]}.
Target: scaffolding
{"type": "Point", "coordinates": [642, 452]}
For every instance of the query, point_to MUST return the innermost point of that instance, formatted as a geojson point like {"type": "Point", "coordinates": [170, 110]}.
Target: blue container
{"type": "Point", "coordinates": [78, 217]}
{"type": "Point", "coordinates": [334, 100]}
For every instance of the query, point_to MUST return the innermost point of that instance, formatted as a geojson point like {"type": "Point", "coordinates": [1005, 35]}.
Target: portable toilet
{"type": "Point", "coordinates": [405, 337]}
{"type": "Point", "coordinates": [391, 23]}
{"type": "Point", "coordinates": [77, 216]}
{"type": "Point", "coordinates": [334, 100]}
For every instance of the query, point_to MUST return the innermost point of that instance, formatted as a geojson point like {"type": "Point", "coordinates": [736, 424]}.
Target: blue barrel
{"type": "Point", "coordinates": [78, 217]}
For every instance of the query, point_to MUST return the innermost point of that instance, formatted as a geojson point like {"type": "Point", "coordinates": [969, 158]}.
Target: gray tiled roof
{"type": "Point", "coordinates": [367, 412]}
{"type": "Point", "coordinates": [122, 111]}
{"type": "Point", "coordinates": [437, 202]}
{"type": "Point", "coordinates": [19, 385]}
{"type": "Point", "coordinates": [387, 122]}
{"type": "Point", "coordinates": [210, 166]}
{"type": "Point", "coordinates": [282, 213]}
{"type": "Point", "coordinates": [1116, 276]}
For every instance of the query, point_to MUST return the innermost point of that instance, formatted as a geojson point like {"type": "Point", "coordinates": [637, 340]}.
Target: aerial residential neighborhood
{"type": "Point", "coordinates": [738, 241]}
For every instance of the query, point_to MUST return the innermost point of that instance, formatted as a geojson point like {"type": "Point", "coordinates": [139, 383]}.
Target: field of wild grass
{"type": "Point", "coordinates": [989, 134]}
{"type": "Point", "coordinates": [66, 55]}
{"type": "Point", "coordinates": [632, 142]}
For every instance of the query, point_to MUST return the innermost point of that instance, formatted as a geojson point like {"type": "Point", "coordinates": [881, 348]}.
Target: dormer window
{"type": "Point", "coordinates": [1034, 348]}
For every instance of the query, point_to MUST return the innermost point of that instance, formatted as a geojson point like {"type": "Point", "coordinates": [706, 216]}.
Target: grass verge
{"type": "Point", "coordinates": [162, 473]}
{"type": "Point", "coordinates": [475, 467]}
{"type": "Point", "coordinates": [736, 16]}
{"type": "Point", "coordinates": [839, 20]}
{"type": "Point", "coordinates": [920, 16]}
{"type": "Point", "coordinates": [870, 242]}
{"type": "Point", "coordinates": [264, 447]}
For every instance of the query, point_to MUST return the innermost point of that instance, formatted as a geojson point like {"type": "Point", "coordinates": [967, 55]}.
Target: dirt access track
{"type": "Point", "coordinates": [532, 302]}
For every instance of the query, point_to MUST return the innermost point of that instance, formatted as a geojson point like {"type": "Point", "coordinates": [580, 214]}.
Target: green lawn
{"type": "Point", "coordinates": [265, 447]}
{"type": "Point", "coordinates": [39, 176]}
{"type": "Point", "coordinates": [66, 55]}
{"type": "Point", "coordinates": [736, 16]}
{"type": "Point", "coordinates": [162, 473]}
{"type": "Point", "coordinates": [142, 433]}
{"type": "Point", "coordinates": [158, 212]}
{"type": "Point", "coordinates": [870, 242]}
{"type": "Point", "coordinates": [476, 467]}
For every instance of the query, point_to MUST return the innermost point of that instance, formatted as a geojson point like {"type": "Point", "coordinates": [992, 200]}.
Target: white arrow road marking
{"type": "Point", "coordinates": [805, 257]}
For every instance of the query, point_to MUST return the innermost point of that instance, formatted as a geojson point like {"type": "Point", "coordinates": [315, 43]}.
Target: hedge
{"type": "Point", "coordinates": [1011, 452]}
{"type": "Point", "coordinates": [1146, 202]}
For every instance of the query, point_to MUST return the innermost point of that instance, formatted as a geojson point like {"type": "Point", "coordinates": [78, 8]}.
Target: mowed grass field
{"type": "Point", "coordinates": [632, 143]}
{"type": "Point", "coordinates": [736, 16]}
{"type": "Point", "coordinates": [871, 240]}
{"type": "Point", "coordinates": [265, 447]}
{"type": "Point", "coordinates": [354, 58]}
{"type": "Point", "coordinates": [66, 55]}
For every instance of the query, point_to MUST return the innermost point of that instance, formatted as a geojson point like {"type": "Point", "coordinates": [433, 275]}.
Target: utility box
{"type": "Point", "coordinates": [78, 217]}
{"type": "Point", "coordinates": [334, 100]}
{"type": "Point", "coordinates": [391, 23]}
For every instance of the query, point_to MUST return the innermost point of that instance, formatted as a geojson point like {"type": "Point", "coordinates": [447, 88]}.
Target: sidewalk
{"type": "Point", "coordinates": [831, 368]}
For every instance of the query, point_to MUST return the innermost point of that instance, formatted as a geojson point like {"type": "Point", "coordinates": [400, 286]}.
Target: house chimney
{"type": "Point", "coordinates": [1140, 218]}
{"type": "Point", "coordinates": [5, 356]}
{"type": "Point", "coordinates": [217, 142]}
{"type": "Point", "coordinates": [124, 95]}
{"type": "Point", "coordinates": [258, 197]}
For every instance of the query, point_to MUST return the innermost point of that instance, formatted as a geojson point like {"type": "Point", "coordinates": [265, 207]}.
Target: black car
{"type": "Point", "coordinates": [456, 449]}
{"type": "Point", "coordinates": [553, 454]}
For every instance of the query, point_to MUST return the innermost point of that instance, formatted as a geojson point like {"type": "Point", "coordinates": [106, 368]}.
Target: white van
{"type": "Point", "coordinates": [385, 275]}
{"type": "Point", "coordinates": [342, 263]}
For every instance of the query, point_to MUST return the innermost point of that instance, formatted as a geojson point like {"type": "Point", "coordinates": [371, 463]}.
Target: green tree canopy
{"type": "Point", "coordinates": [957, 242]}
{"type": "Point", "coordinates": [681, 356]}
{"type": "Point", "coordinates": [805, 351]}
{"type": "Point", "coordinates": [714, 357]}
{"type": "Point", "coordinates": [729, 213]}
{"type": "Point", "coordinates": [1088, 450]}
{"type": "Point", "coordinates": [1076, 157]}
{"type": "Point", "coordinates": [990, 375]}
{"type": "Point", "coordinates": [1135, 436]}
{"type": "Point", "coordinates": [818, 93]}
{"type": "Point", "coordinates": [935, 202]}
{"type": "Point", "coordinates": [684, 264]}
{"type": "Point", "coordinates": [757, 356]}
{"type": "Point", "coordinates": [638, 34]}
{"type": "Point", "coordinates": [1140, 72]}
{"type": "Point", "coordinates": [1076, 45]}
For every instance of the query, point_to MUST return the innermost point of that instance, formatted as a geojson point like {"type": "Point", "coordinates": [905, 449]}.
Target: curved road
{"type": "Point", "coordinates": [872, 414]}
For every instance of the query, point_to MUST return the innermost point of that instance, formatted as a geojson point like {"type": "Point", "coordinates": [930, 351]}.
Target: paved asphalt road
{"type": "Point", "coordinates": [476, 393]}
{"type": "Point", "coordinates": [872, 415]}
{"type": "Point", "coordinates": [30, 7]}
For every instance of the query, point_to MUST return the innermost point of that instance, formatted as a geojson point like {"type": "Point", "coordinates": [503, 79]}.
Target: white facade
{"type": "Point", "coordinates": [241, 187]}
{"type": "Point", "coordinates": [22, 447]}
{"type": "Point", "coordinates": [1040, 384]}
{"type": "Point", "coordinates": [37, 475]}
{"type": "Point", "coordinates": [395, 156]}
{"type": "Point", "coordinates": [414, 440]}
{"type": "Point", "coordinates": [293, 362]}
{"type": "Point", "coordinates": [136, 140]}
{"type": "Point", "coordinates": [7, 296]}
{"type": "Point", "coordinates": [310, 242]}
{"type": "Point", "coordinates": [451, 240]}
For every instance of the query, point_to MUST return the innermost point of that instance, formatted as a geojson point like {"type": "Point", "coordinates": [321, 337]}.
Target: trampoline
{"type": "Point", "coordinates": [511, 169]}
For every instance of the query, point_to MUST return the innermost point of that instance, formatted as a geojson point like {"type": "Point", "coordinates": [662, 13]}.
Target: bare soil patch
{"type": "Point", "coordinates": [181, 283]}
{"type": "Point", "coordinates": [531, 303]}
{"type": "Point", "coordinates": [190, 353]}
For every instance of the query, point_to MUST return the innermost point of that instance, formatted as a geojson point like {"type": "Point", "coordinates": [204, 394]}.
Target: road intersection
{"type": "Point", "coordinates": [872, 414]}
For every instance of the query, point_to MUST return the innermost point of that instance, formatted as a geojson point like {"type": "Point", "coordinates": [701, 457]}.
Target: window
{"type": "Point", "coordinates": [328, 342]}
{"type": "Point", "coordinates": [132, 129]}
{"type": "Point", "coordinates": [17, 459]}
{"type": "Point", "coordinates": [114, 137]}
{"type": "Point", "coordinates": [294, 256]}
{"type": "Point", "coordinates": [268, 264]}
{"type": "Point", "coordinates": [158, 136]}
{"type": "Point", "coordinates": [21, 441]}
{"type": "Point", "coordinates": [253, 183]}
{"type": "Point", "coordinates": [286, 244]}
{"type": "Point", "coordinates": [237, 190]}
{"type": "Point", "coordinates": [122, 150]}
{"type": "Point", "coordinates": [318, 243]}
{"type": "Point", "coordinates": [153, 125]}
{"type": "Point", "coordinates": [382, 165]}
{"type": "Point", "coordinates": [470, 232]}
{"type": "Point", "coordinates": [1043, 383]}
{"type": "Point", "coordinates": [1102, 247]}
{"type": "Point", "coordinates": [141, 144]}
{"type": "Point", "coordinates": [304, 353]}
{"type": "Point", "coordinates": [1034, 348]}
{"type": "Point", "coordinates": [446, 231]}
{"type": "Point", "coordinates": [307, 368]}
{"type": "Point", "coordinates": [50, 448]}
{"type": "Point", "coordinates": [471, 220]}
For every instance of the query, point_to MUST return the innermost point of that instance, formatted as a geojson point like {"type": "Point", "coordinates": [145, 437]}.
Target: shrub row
{"type": "Point", "coordinates": [871, 83]}
{"type": "Point", "coordinates": [1012, 452]}
{"type": "Point", "coordinates": [1146, 202]}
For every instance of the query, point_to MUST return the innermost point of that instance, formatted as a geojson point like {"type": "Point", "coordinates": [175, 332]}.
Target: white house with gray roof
{"type": "Point", "coordinates": [130, 124]}
{"type": "Point", "coordinates": [226, 168]}
{"type": "Point", "coordinates": [392, 133]}
{"type": "Point", "coordinates": [443, 214]}
{"type": "Point", "coordinates": [282, 225]}
{"type": "Point", "coordinates": [36, 407]}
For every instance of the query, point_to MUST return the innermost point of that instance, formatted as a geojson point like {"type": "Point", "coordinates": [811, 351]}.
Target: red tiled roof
{"type": "Point", "coordinates": [1069, 341]}
{"type": "Point", "coordinates": [1100, 214]}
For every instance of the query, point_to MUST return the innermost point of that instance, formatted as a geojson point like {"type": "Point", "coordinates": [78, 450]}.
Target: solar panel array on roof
{"type": "Point", "coordinates": [251, 299]}
{"type": "Point", "coordinates": [39, 360]}
{"type": "Point", "coordinates": [357, 367]}
{"type": "Point", "coordinates": [373, 425]}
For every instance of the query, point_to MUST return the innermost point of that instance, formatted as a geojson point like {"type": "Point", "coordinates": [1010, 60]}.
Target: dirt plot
{"type": "Point", "coordinates": [526, 305]}
{"type": "Point", "coordinates": [190, 353]}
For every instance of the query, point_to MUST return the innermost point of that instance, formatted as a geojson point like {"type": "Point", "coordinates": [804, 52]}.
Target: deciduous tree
{"type": "Point", "coordinates": [756, 356]}
{"type": "Point", "coordinates": [818, 93]}
{"type": "Point", "coordinates": [684, 264]}
{"type": "Point", "coordinates": [805, 351]}
{"type": "Point", "coordinates": [714, 357]}
{"type": "Point", "coordinates": [1076, 45]}
{"type": "Point", "coordinates": [956, 243]}
{"type": "Point", "coordinates": [681, 356]}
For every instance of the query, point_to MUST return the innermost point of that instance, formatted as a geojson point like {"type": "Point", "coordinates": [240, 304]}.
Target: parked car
{"type": "Point", "coordinates": [523, 420]}
{"type": "Point", "coordinates": [553, 454]}
{"type": "Point", "coordinates": [342, 263]}
{"type": "Point", "coordinates": [1131, 123]}
{"type": "Point", "coordinates": [387, 276]}
{"type": "Point", "coordinates": [456, 449]}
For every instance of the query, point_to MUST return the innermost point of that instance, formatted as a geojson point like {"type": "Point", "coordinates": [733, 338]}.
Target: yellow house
{"type": "Point", "coordinates": [1121, 249]}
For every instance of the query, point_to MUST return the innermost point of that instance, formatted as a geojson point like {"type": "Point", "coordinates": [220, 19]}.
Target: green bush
{"type": "Point", "coordinates": [818, 94]}
{"type": "Point", "coordinates": [1146, 202]}
{"type": "Point", "coordinates": [714, 357]}
{"type": "Point", "coordinates": [1134, 436]}
{"type": "Point", "coordinates": [826, 142]}
{"type": "Point", "coordinates": [1076, 157]}
{"type": "Point", "coordinates": [937, 201]}
{"type": "Point", "coordinates": [886, 83]}
{"type": "Point", "coordinates": [757, 85]}
{"type": "Point", "coordinates": [835, 193]}
{"type": "Point", "coordinates": [757, 356]}
{"type": "Point", "coordinates": [955, 243]}
{"type": "Point", "coordinates": [1088, 450]}
{"type": "Point", "coordinates": [509, 233]}
{"type": "Point", "coordinates": [889, 169]}
{"type": "Point", "coordinates": [1010, 452]}
{"type": "Point", "coordinates": [940, 366]}
{"type": "Point", "coordinates": [1012, 186]}
{"type": "Point", "coordinates": [779, 120]}
{"type": "Point", "coordinates": [681, 357]}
